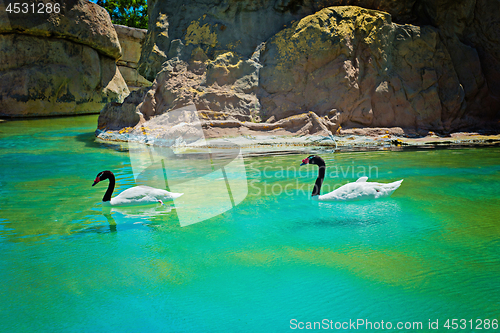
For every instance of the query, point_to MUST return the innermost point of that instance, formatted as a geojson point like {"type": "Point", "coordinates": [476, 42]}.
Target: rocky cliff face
{"type": "Point", "coordinates": [131, 40]}
{"type": "Point", "coordinates": [58, 63]}
{"type": "Point", "coordinates": [417, 64]}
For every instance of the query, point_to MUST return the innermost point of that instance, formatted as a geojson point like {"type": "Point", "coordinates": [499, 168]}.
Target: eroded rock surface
{"type": "Point", "coordinates": [60, 63]}
{"type": "Point", "coordinates": [178, 27]}
{"type": "Point", "coordinates": [131, 40]}
{"type": "Point", "coordinates": [348, 66]}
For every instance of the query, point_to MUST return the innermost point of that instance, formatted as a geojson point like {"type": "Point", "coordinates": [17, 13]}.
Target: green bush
{"type": "Point", "coordinates": [132, 13]}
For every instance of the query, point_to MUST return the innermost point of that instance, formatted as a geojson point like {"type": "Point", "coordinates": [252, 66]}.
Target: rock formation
{"type": "Point", "coordinates": [313, 66]}
{"type": "Point", "coordinates": [131, 40]}
{"type": "Point", "coordinates": [356, 67]}
{"type": "Point", "coordinates": [58, 63]}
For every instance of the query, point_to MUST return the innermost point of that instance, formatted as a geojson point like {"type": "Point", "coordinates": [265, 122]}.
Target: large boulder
{"type": "Point", "coordinates": [356, 66]}
{"type": "Point", "coordinates": [59, 63]}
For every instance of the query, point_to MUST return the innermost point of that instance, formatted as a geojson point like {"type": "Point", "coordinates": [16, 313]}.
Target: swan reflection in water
{"type": "Point", "coordinates": [133, 217]}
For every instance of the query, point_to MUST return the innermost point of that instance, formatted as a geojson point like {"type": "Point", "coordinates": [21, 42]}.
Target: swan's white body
{"type": "Point", "coordinates": [141, 195]}
{"type": "Point", "coordinates": [360, 190]}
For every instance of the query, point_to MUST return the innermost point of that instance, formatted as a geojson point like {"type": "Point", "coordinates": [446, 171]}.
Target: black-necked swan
{"type": "Point", "coordinates": [360, 190]}
{"type": "Point", "coordinates": [137, 195]}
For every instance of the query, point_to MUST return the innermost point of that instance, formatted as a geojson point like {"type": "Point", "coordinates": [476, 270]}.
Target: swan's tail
{"type": "Point", "coordinates": [176, 195]}
{"type": "Point", "coordinates": [391, 187]}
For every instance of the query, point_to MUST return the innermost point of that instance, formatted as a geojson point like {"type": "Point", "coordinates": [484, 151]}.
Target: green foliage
{"type": "Point", "coordinates": [132, 13]}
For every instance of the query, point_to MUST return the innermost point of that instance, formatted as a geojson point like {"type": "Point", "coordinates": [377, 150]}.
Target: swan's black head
{"type": "Point", "coordinates": [313, 159]}
{"type": "Point", "coordinates": [103, 175]}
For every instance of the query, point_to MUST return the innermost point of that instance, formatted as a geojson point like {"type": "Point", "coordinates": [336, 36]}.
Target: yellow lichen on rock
{"type": "Point", "coordinates": [318, 39]}
{"type": "Point", "coordinates": [330, 21]}
{"type": "Point", "coordinates": [192, 90]}
{"type": "Point", "coordinates": [230, 69]}
{"type": "Point", "coordinates": [197, 34]}
{"type": "Point", "coordinates": [227, 61]}
{"type": "Point", "coordinates": [329, 26]}
{"type": "Point", "coordinates": [125, 130]}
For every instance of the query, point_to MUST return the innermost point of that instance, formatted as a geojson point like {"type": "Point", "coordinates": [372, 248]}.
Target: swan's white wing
{"type": "Point", "coordinates": [349, 191]}
{"type": "Point", "coordinates": [133, 193]}
{"type": "Point", "coordinates": [361, 191]}
{"type": "Point", "coordinates": [142, 195]}
{"type": "Point", "coordinates": [158, 193]}
{"type": "Point", "coordinates": [362, 180]}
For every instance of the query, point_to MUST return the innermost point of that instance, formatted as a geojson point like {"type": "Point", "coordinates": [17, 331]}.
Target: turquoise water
{"type": "Point", "coordinates": [430, 252]}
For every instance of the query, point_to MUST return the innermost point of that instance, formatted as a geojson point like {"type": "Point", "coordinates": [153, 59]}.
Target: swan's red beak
{"type": "Point", "coordinates": [97, 180]}
{"type": "Point", "coordinates": [304, 161]}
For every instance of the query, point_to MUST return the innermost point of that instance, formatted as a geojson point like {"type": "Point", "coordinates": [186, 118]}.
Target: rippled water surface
{"type": "Point", "coordinates": [430, 252]}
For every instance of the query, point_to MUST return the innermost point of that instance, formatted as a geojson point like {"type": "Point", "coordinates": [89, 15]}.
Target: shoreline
{"type": "Point", "coordinates": [366, 139]}
{"type": "Point", "coordinates": [280, 141]}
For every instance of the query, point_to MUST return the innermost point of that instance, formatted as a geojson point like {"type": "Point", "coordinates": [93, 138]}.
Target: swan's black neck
{"type": "Point", "coordinates": [321, 175]}
{"type": "Point", "coordinates": [111, 187]}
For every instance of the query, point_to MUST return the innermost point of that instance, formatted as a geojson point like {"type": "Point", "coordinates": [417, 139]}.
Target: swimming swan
{"type": "Point", "coordinates": [360, 190]}
{"type": "Point", "coordinates": [137, 195]}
